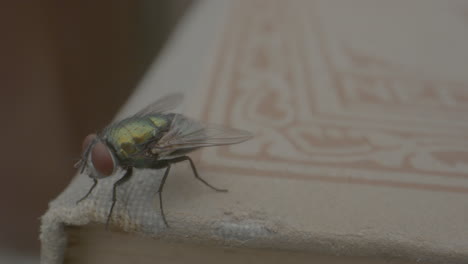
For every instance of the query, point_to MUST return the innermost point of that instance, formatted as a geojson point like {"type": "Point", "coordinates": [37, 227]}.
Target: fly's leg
{"type": "Point", "coordinates": [124, 178]}
{"type": "Point", "coordinates": [195, 172]}
{"type": "Point", "coordinates": [168, 168]}
{"type": "Point", "coordinates": [89, 192]}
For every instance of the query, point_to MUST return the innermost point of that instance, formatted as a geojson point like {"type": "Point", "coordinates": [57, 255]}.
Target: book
{"type": "Point", "coordinates": [359, 115]}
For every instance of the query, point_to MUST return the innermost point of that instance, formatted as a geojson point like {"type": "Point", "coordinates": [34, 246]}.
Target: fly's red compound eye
{"type": "Point", "coordinates": [102, 159]}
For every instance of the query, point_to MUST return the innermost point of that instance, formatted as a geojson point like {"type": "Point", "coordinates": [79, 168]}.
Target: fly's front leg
{"type": "Point", "coordinates": [89, 192]}
{"type": "Point", "coordinates": [124, 178]}
{"type": "Point", "coordinates": [195, 172]}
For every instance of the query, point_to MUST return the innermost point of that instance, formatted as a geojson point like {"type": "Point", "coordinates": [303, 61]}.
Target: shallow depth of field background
{"type": "Point", "coordinates": [65, 69]}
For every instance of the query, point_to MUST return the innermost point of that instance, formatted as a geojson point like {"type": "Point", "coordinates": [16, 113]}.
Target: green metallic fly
{"type": "Point", "coordinates": [154, 139]}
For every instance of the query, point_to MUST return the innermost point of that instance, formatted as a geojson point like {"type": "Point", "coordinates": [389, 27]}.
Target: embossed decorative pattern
{"type": "Point", "coordinates": [329, 106]}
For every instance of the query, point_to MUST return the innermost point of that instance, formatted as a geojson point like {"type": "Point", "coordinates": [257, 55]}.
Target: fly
{"type": "Point", "coordinates": [151, 139]}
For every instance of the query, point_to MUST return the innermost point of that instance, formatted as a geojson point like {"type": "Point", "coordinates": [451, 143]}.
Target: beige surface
{"type": "Point", "coordinates": [359, 112]}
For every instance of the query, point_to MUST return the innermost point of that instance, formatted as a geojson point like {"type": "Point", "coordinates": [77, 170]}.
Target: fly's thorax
{"type": "Point", "coordinates": [130, 137]}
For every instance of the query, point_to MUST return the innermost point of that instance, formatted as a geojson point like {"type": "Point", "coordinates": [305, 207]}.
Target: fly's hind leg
{"type": "Point", "coordinates": [195, 172]}
{"type": "Point", "coordinates": [124, 178]}
{"type": "Point", "coordinates": [161, 185]}
{"type": "Point", "coordinates": [89, 192]}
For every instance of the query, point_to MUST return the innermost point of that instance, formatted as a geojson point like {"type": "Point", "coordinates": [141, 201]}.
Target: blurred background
{"type": "Point", "coordinates": [65, 69]}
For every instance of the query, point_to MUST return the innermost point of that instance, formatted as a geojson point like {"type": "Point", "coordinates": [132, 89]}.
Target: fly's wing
{"type": "Point", "coordinates": [185, 134]}
{"type": "Point", "coordinates": [163, 104]}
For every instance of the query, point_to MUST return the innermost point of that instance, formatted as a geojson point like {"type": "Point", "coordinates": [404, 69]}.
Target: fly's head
{"type": "Point", "coordinates": [97, 158]}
